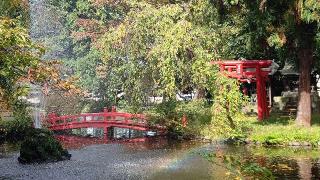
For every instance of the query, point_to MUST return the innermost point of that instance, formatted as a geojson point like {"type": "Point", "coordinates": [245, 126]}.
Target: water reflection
{"type": "Point", "coordinates": [112, 133]}
{"type": "Point", "coordinates": [285, 163]}
{"type": "Point", "coordinates": [77, 138]}
{"type": "Point", "coordinates": [290, 163]}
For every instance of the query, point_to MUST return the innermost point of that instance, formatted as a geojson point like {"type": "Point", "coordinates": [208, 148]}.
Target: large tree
{"type": "Point", "coordinates": [291, 28]}
{"type": "Point", "coordinates": [17, 52]}
{"type": "Point", "coordinates": [164, 47]}
{"type": "Point", "coordinates": [20, 57]}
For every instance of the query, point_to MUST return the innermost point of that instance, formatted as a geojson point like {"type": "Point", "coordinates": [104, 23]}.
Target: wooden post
{"type": "Point", "coordinates": [105, 111]}
{"type": "Point", "coordinates": [184, 121]}
{"type": "Point", "coordinates": [259, 94]}
{"type": "Point", "coordinates": [113, 110]}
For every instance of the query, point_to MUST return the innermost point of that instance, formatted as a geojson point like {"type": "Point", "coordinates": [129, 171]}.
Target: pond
{"type": "Point", "coordinates": [155, 158]}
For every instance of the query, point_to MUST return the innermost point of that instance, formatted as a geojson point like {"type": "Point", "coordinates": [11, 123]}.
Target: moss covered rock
{"type": "Point", "coordinates": [41, 146]}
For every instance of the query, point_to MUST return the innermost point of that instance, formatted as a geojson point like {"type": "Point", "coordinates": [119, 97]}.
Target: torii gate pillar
{"type": "Point", "coordinates": [263, 110]}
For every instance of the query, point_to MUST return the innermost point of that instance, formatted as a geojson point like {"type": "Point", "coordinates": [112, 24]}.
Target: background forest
{"type": "Point", "coordinates": [124, 52]}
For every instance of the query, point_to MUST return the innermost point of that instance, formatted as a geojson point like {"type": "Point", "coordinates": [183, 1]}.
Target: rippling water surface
{"type": "Point", "coordinates": [154, 158]}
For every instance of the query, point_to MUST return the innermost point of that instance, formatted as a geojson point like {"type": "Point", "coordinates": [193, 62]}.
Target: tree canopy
{"type": "Point", "coordinates": [165, 48]}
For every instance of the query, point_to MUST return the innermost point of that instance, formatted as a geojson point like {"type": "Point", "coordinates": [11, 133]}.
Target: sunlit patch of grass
{"type": "Point", "coordinates": [282, 130]}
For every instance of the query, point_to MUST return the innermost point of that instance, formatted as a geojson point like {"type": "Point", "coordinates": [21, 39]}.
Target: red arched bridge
{"type": "Point", "coordinates": [103, 120]}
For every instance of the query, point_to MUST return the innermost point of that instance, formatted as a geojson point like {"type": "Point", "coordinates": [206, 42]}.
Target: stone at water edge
{"type": "Point", "coordinates": [40, 146]}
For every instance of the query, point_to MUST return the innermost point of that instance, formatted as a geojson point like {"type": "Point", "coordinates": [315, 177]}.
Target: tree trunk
{"type": "Point", "coordinates": [304, 102]}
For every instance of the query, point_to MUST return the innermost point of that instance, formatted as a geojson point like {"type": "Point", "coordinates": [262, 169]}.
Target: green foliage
{"type": "Point", "coordinates": [18, 54]}
{"type": "Point", "coordinates": [94, 106]}
{"type": "Point", "coordinates": [275, 131]}
{"type": "Point", "coordinates": [155, 49]}
{"type": "Point", "coordinates": [16, 129]}
{"type": "Point", "coordinates": [164, 50]}
{"type": "Point", "coordinates": [273, 29]}
{"type": "Point", "coordinates": [15, 9]}
{"type": "Point", "coordinates": [239, 167]}
{"type": "Point", "coordinates": [170, 114]}
{"type": "Point", "coordinates": [17, 51]}
{"type": "Point", "coordinates": [228, 120]}
{"type": "Point", "coordinates": [310, 11]}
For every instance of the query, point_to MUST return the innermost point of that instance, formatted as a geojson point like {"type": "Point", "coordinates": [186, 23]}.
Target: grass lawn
{"type": "Point", "coordinates": [281, 130]}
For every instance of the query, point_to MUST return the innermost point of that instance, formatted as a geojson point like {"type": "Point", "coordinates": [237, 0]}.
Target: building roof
{"type": "Point", "coordinates": [289, 69]}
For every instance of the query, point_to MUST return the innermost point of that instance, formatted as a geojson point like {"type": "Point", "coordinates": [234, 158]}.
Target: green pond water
{"type": "Point", "coordinates": [160, 158]}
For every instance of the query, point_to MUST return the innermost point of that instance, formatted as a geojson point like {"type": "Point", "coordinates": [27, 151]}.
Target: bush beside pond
{"type": "Point", "coordinates": [41, 146]}
{"type": "Point", "coordinates": [169, 114]}
{"type": "Point", "coordinates": [14, 130]}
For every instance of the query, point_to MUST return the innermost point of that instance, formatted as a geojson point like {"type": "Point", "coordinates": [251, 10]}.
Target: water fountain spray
{"type": "Point", "coordinates": [39, 28]}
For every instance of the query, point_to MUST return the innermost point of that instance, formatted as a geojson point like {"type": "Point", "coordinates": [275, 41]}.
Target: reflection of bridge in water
{"type": "Point", "coordinates": [105, 120]}
{"type": "Point", "coordinates": [75, 142]}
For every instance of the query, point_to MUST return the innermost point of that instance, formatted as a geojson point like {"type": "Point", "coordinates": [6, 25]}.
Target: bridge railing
{"type": "Point", "coordinates": [54, 120]}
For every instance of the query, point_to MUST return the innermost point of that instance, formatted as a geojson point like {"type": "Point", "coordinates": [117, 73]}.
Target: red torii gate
{"type": "Point", "coordinates": [252, 71]}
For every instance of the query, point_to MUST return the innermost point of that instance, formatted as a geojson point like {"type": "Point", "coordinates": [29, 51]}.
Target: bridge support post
{"type": "Point", "coordinates": [105, 133]}
{"type": "Point", "coordinates": [51, 118]}
{"type": "Point", "coordinates": [113, 109]}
